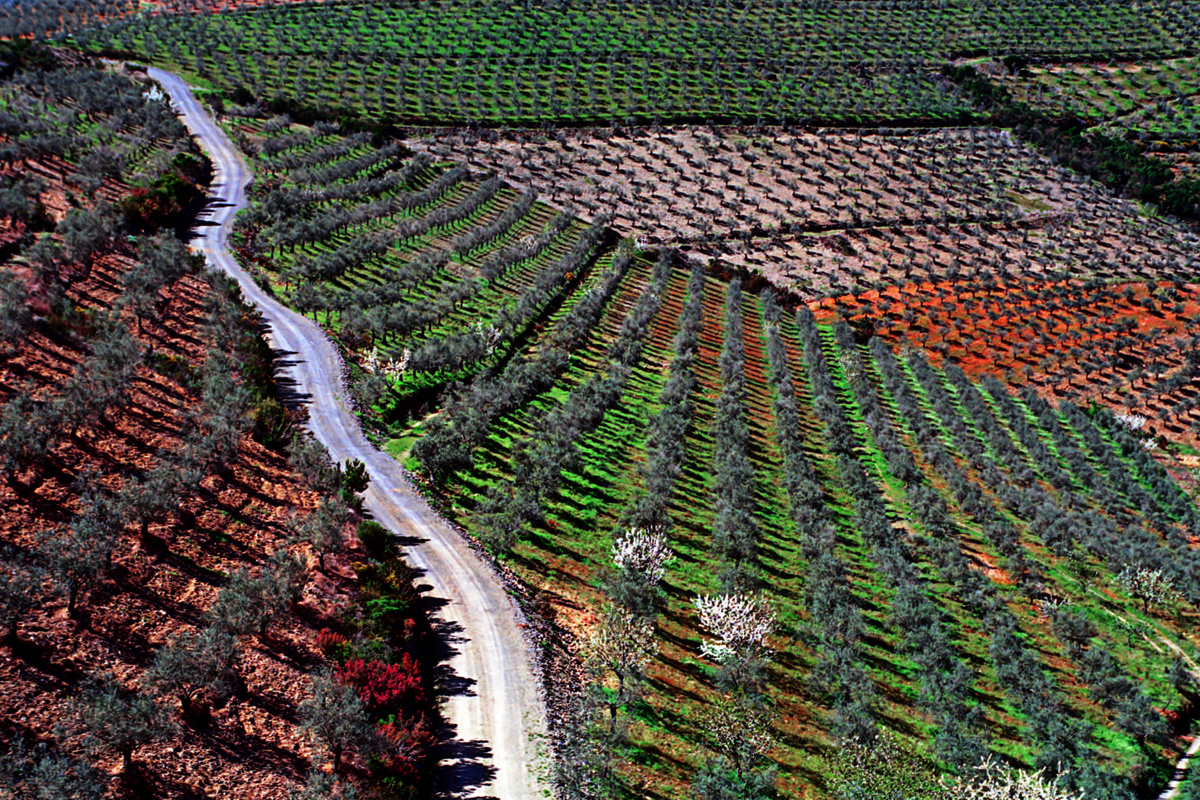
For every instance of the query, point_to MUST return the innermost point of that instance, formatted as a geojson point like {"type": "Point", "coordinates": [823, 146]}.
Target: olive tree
{"type": "Point", "coordinates": [324, 527]}
{"type": "Point", "coordinates": [196, 668]}
{"type": "Point", "coordinates": [336, 718]}
{"type": "Point", "coordinates": [38, 773]}
{"type": "Point", "coordinates": [21, 579]}
{"type": "Point", "coordinates": [119, 718]}
{"type": "Point", "coordinates": [76, 559]}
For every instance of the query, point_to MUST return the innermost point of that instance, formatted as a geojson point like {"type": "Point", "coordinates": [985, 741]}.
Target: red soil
{"type": "Point", "coordinates": [1060, 344]}
{"type": "Point", "coordinates": [161, 586]}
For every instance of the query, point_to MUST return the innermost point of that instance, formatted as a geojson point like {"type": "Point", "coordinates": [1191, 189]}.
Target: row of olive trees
{"type": "Point", "coordinates": [451, 438]}
{"type": "Point", "coordinates": [967, 492]}
{"type": "Point", "coordinates": [946, 681]}
{"type": "Point", "coordinates": [1109, 684]}
{"type": "Point", "coordinates": [322, 166]}
{"type": "Point", "coordinates": [391, 309]}
{"type": "Point", "coordinates": [834, 626]}
{"type": "Point", "coordinates": [737, 721]}
{"type": "Point", "coordinates": [290, 200]}
{"type": "Point", "coordinates": [1062, 742]}
{"type": "Point", "coordinates": [308, 223]}
{"type": "Point", "coordinates": [624, 642]}
{"type": "Point", "coordinates": [1164, 502]}
{"type": "Point", "coordinates": [666, 434]}
{"type": "Point", "coordinates": [842, 678]}
{"type": "Point", "coordinates": [1111, 532]}
{"type": "Point", "coordinates": [735, 530]}
{"type": "Point", "coordinates": [387, 309]}
{"type": "Point", "coordinates": [552, 448]}
{"type": "Point", "coordinates": [457, 351]}
{"type": "Point", "coordinates": [469, 240]}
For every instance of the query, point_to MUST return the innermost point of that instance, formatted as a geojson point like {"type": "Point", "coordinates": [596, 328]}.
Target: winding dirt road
{"type": "Point", "coordinates": [493, 704]}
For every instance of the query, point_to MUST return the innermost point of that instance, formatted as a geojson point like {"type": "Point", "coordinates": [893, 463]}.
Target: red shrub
{"type": "Point", "coordinates": [386, 689]}
{"type": "Point", "coordinates": [409, 746]}
{"type": "Point", "coordinates": [331, 642]}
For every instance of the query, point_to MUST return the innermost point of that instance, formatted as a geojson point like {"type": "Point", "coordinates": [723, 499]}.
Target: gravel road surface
{"type": "Point", "coordinates": [493, 704]}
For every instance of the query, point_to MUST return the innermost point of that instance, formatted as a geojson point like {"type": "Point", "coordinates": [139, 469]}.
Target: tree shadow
{"type": "Point", "coordinates": [287, 388]}
{"type": "Point", "coordinates": [462, 768]}
{"type": "Point", "coordinates": [137, 783]}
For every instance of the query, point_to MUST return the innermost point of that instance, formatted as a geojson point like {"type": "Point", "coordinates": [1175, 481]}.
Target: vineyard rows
{"type": "Point", "coordinates": [501, 63]}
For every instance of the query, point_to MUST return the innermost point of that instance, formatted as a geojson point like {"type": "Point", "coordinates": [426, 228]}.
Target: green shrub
{"type": "Point", "coordinates": [375, 538]}
{"type": "Point", "coordinates": [388, 613]}
{"type": "Point", "coordinates": [272, 423]}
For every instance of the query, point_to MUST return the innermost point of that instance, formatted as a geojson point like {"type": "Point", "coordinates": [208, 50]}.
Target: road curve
{"type": "Point", "coordinates": [493, 705]}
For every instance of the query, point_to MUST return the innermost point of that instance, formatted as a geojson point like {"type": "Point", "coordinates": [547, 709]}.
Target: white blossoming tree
{"type": "Point", "coordinates": [997, 781]}
{"type": "Point", "coordinates": [622, 645]}
{"type": "Point", "coordinates": [641, 557]}
{"type": "Point", "coordinates": [742, 622]}
{"type": "Point", "coordinates": [644, 552]}
{"type": "Point", "coordinates": [1147, 585]}
{"type": "Point", "coordinates": [891, 767]}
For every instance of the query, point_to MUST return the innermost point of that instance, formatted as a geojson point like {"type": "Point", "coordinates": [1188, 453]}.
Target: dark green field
{"type": "Point", "coordinates": [497, 63]}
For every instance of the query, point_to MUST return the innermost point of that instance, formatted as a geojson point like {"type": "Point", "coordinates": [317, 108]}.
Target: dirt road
{"type": "Point", "coordinates": [493, 703]}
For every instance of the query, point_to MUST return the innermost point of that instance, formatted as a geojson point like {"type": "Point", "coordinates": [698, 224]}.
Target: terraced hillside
{"type": "Point", "coordinates": [959, 564]}
{"type": "Point", "coordinates": [916, 500]}
{"type": "Point", "coordinates": [442, 270]}
{"type": "Point", "coordinates": [171, 577]}
{"type": "Point", "coordinates": [825, 212]}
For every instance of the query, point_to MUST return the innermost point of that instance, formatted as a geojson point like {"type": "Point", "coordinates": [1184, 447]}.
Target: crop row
{"type": "Point", "coordinates": [439, 62]}
{"type": "Point", "coordinates": [945, 561]}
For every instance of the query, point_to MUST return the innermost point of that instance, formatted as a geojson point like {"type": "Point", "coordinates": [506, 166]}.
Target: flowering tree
{"type": "Point", "coordinates": [890, 767]}
{"type": "Point", "coordinates": [644, 552]}
{"type": "Point", "coordinates": [623, 644]}
{"type": "Point", "coordinates": [740, 737]}
{"type": "Point", "coordinates": [742, 622]}
{"type": "Point", "coordinates": [998, 781]}
{"type": "Point", "coordinates": [641, 557]}
{"type": "Point", "coordinates": [1147, 585]}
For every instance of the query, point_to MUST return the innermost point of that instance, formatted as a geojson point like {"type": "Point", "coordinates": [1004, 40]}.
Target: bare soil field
{"type": "Point", "coordinates": [832, 212]}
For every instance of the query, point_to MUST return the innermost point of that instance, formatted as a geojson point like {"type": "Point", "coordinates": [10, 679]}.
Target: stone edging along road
{"type": "Point", "coordinates": [492, 702]}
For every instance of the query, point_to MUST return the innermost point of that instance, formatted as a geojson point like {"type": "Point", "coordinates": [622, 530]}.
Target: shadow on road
{"type": "Point", "coordinates": [287, 388]}
{"type": "Point", "coordinates": [463, 765]}
{"type": "Point", "coordinates": [462, 768]}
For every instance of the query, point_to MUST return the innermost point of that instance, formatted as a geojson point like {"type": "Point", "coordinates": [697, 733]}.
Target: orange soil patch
{"type": "Point", "coordinates": [1101, 344]}
{"type": "Point", "coordinates": [991, 331]}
